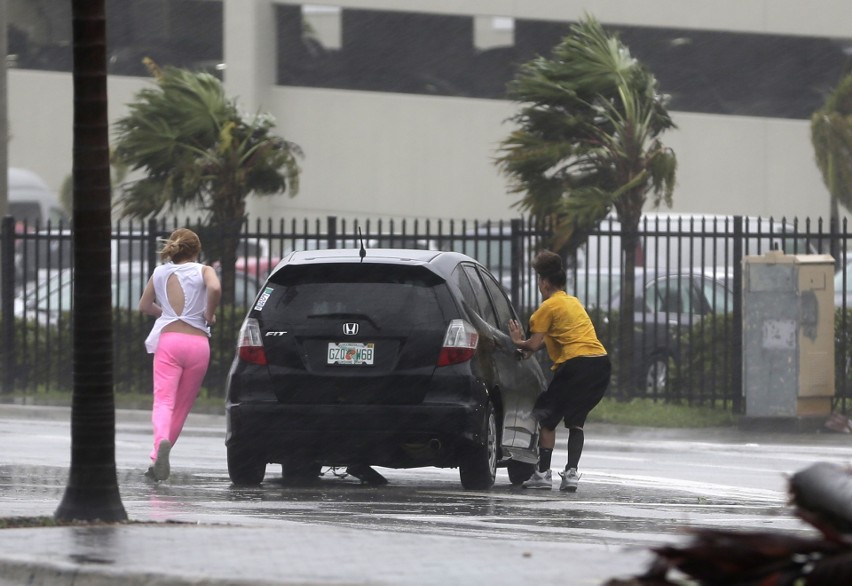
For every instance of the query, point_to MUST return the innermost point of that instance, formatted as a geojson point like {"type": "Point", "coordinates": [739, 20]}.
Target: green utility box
{"type": "Point", "coordinates": [788, 335]}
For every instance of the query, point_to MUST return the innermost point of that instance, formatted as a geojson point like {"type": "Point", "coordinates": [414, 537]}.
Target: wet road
{"type": "Point", "coordinates": [639, 487]}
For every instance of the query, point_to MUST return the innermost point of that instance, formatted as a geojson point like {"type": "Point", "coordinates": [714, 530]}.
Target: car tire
{"type": "Point", "coordinates": [657, 375]}
{"type": "Point", "coordinates": [245, 468]}
{"type": "Point", "coordinates": [519, 471]}
{"type": "Point", "coordinates": [478, 469]}
{"type": "Point", "coordinates": [300, 471]}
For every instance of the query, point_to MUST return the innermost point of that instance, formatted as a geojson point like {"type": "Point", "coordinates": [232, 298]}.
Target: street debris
{"type": "Point", "coordinates": [821, 496]}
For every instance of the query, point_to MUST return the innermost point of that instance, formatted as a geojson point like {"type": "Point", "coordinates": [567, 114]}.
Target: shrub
{"type": "Point", "coordinates": [842, 352]}
{"type": "Point", "coordinates": [706, 369]}
{"type": "Point", "coordinates": [43, 358]}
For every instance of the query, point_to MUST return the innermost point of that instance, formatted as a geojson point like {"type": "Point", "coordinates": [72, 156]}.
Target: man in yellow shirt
{"type": "Point", "coordinates": [581, 368]}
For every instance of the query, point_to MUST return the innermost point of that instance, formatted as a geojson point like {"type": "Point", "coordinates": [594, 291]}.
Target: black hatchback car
{"type": "Point", "coordinates": [397, 358]}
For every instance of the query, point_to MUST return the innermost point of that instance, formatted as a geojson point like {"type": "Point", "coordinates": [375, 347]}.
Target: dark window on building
{"type": "Point", "coordinates": [379, 51]}
{"type": "Point", "coordinates": [712, 72]}
{"type": "Point", "coordinates": [182, 33]}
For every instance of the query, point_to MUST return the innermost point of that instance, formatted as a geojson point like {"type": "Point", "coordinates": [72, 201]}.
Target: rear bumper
{"type": "Point", "coordinates": [396, 436]}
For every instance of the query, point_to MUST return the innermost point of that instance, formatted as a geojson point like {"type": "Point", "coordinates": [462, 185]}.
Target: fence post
{"type": "Point", "coordinates": [737, 338]}
{"type": "Point", "coordinates": [517, 251]}
{"type": "Point", "coordinates": [331, 231]}
{"type": "Point", "coordinates": [7, 296]}
{"type": "Point", "coordinates": [151, 252]}
{"type": "Point", "coordinates": [835, 245]}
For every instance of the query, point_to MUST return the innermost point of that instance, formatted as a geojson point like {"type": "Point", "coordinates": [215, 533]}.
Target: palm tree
{"type": "Point", "coordinates": [831, 136]}
{"type": "Point", "coordinates": [195, 147]}
{"type": "Point", "coordinates": [586, 144]}
{"type": "Point", "coordinates": [92, 490]}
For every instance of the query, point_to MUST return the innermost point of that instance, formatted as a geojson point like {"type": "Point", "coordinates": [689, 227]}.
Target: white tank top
{"type": "Point", "coordinates": [191, 280]}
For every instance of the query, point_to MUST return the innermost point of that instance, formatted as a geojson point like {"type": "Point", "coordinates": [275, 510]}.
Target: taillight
{"type": "Point", "coordinates": [459, 343]}
{"type": "Point", "coordinates": [250, 343]}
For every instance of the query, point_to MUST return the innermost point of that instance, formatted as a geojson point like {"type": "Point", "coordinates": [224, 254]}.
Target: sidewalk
{"type": "Point", "coordinates": [291, 553]}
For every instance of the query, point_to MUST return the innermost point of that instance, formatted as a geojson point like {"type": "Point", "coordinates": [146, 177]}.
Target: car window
{"type": "Point", "coordinates": [383, 293]}
{"type": "Point", "coordinates": [53, 294]}
{"type": "Point", "coordinates": [482, 300]}
{"type": "Point", "coordinates": [127, 288]}
{"type": "Point", "coordinates": [459, 277]}
{"type": "Point", "coordinates": [128, 248]}
{"type": "Point", "coordinates": [28, 211]}
{"type": "Point", "coordinates": [501, 304]}
{"type": "Point", "coordinates": [596, 289]}
{"type": "Point", "coordinates": [670, 295]}
{"type": "Point", "coordinates": [56, 292]}
{"type": "Point", "coordinates": [245, 289]}
{"type": "Point", "coordinates": [719, 298]}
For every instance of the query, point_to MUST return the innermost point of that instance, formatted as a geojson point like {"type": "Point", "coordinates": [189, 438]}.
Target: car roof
{"type": "Point", "coordinates": [439, 262]}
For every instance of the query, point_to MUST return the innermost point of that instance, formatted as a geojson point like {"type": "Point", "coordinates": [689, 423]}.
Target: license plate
{"type": "Point", "coordinates": [351, 353]}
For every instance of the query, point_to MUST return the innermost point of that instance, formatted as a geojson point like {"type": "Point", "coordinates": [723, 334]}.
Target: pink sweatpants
{"type": "Point", "coordinates": [180, 363]}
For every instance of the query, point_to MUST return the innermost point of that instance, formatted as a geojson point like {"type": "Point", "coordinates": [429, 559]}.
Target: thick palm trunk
{"type": "Point", "coordinates": [229, 225]}
{"type": "Point", "coordinates": [630, 214]}
{"type": "Point", "coordinates": [92, 490]}
{"type": "Point", "coordinates": [626, 347]}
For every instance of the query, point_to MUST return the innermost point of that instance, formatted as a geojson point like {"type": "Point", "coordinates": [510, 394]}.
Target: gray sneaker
{"type": "Point", "coordinates": [539, 480]}
{"type": "Point", "coordinates": [161, 465]}
{"type": "Point", "coordinates": [570, 480]}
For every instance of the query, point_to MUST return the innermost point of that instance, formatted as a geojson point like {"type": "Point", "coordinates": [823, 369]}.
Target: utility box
{"type": "Point", "coordinates": [788, 335]}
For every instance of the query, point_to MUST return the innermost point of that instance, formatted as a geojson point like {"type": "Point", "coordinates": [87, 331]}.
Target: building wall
{"type": "Point", "coordinates": [404, 155]}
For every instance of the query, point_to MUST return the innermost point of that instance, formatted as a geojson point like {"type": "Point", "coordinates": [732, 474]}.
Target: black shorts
{"type": "Point", "coordinates": [577, 386]}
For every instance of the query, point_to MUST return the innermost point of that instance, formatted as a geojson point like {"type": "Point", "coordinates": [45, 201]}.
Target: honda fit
{"type": "Point", "coordinates": [385, 357]}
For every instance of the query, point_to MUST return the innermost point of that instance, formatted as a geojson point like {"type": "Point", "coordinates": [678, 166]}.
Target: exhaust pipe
{"type": "Point", "coordinates": [435, 444]}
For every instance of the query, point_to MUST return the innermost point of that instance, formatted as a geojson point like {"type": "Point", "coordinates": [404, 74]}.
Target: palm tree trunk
{"type": "Point", "coordinates": [626, 347]}
{"type": "Point", "coordinates": [92, 490]}
{"type": "Point", "coordinates": [228, 221]}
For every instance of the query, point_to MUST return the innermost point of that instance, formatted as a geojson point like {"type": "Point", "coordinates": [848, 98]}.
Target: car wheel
{"type": "Point", "coordinates": [519, 471]}
{"type": "Point", "coordinates": [300, 471]}
{"type": "Point", "coordinates": [479, 467]}
{"type": "Point", "coordinates": [245, 468]}
{"type": "Point", "coordinates": [657, 375]}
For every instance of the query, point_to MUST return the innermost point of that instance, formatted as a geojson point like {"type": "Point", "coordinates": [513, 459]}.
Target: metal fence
{"type": "Point", "coordinates": [690, 352]}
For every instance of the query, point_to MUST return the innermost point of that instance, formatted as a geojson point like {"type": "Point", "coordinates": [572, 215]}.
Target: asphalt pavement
{"type": "Point", "coordinates": [172, 551]}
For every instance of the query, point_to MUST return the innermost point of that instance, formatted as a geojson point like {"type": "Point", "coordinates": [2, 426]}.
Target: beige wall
{"type": "Point", "coordinates": [399, 155]}
{"type": "Point", "coordinates": [371, 154]}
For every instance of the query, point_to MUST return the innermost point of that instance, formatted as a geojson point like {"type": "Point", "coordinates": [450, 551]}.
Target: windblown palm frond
{"type": "Point", "coordinates": [831, 135]}
{"type": "Point", "coordinates": [195, 148]}
{"type": "Point", "coordinates": [586, 144]}
{"type": "Point", "coordinates": [586, 138]}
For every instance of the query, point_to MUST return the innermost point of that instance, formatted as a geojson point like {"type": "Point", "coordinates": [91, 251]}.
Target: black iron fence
{"type": "Point", "coordinates": [687, 318]}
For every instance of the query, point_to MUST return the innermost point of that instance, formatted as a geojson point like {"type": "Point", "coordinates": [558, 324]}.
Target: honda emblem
{"type": "Point", "coordinates": [350, 329]}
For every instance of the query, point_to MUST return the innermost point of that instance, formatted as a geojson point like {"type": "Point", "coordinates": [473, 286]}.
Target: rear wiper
{"type": "Point", "coordinates": [342, 315]}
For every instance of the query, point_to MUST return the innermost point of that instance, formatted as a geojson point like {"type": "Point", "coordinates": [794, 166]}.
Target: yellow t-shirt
{"type": "Point", "coordinates": [567, 328]}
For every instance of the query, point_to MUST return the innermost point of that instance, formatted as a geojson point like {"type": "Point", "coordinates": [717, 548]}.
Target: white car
{"type": "Point", "coordinates": [51, 300]}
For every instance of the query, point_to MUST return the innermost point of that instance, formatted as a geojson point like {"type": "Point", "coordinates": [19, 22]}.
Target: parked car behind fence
{"type": "Point", "coordinates": [504, 248]}
{"type": "Point", "coordinates": [667, 305]}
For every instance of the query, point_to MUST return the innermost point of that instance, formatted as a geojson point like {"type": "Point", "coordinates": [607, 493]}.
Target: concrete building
{"type": "Point", "coordinates": [397, 103]}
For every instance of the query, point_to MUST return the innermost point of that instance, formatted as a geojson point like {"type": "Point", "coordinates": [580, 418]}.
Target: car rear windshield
{"type": "Point", "coordinates": [389, 293]}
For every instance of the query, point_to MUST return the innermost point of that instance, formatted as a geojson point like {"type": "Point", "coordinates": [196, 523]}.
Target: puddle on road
{"type": "Point", "coordinates": [417, 502]}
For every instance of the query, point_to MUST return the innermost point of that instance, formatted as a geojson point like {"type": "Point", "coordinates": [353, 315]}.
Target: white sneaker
{"type": "Point", "coordinates": [570, 480]}
{"type": "Point", "coordinates": [539, 480]}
